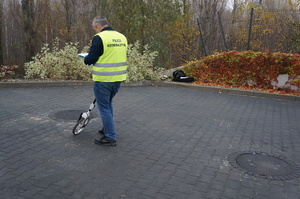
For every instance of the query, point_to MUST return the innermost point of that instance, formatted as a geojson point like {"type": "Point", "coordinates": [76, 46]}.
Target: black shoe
{"type": "Point", "coordinates": [106, 142]}
{"type": "Point", "coordinates": [101, 132]}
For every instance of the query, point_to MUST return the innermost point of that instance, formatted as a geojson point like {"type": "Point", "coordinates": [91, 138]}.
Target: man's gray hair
{"type": "Point", "coordinates": [99, 20]}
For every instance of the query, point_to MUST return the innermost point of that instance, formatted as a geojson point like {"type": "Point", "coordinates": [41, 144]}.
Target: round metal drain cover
{"type": "Point", "coordinates": [264, 165]}
{"type": "Point", "coordinates": [67, 115]}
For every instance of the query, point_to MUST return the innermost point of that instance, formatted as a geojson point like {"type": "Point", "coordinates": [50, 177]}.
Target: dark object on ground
{"type": "Point", "coordinates": [180, 76]}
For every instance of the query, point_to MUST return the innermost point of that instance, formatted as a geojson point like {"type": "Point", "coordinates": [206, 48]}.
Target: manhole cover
{"type": "Point", "coordinates": [67, 115]}
{"type": "Point", "coordinates": [264, 165]}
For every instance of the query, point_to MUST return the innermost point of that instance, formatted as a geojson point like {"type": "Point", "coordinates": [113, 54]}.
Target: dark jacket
{"type": "Point", "coordinates": [96, 49]}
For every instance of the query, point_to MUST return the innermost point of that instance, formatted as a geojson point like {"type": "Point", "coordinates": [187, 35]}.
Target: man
{"type": "Point", "coordinates": [108, 59]}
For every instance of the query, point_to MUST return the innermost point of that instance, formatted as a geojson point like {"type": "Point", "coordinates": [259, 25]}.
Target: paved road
{"type": "Point", "coordinates": [172, 143]}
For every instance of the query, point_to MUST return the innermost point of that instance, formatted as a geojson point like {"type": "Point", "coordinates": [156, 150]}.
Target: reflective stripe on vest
{"type": "Point", "coordinates": [105, 65]}
{"type": "Point", "coordinates": [110, 73]}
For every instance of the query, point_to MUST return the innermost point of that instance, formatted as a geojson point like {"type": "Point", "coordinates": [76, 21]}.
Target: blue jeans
{"type": "Point", "coordinates": [104, 93]}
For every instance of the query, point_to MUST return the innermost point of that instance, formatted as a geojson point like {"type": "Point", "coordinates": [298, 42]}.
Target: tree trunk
{"type": "Point", "coordinates": [1, 32]}
{"type": "Point", "coordinates": [68, 20]}
{"type": "Point", "coordinates": [234, 11]}
{"type": "Point", "coordinates": [70, 6]}
{"type": "Point", "coordinates": [29, 30]}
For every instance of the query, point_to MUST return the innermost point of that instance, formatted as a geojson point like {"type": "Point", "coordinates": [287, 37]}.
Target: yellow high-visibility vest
{"type": "Point", "coordinates": [111, 66]}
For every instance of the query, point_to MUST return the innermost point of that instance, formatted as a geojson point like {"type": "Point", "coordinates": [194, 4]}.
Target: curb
{"type": "Point", "coordinates": [227, 90]}
{"type": "Point", "coordinates": [19, 85]}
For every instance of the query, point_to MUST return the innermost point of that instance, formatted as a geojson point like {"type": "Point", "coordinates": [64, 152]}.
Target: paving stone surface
{"type": "Point", "coordinates": [171, 143]}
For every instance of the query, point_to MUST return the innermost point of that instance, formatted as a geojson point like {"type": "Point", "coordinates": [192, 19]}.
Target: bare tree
{"type": "Point", "coordinates": [207, 12]}
{"type": "Point", "coordinates": [13, 33]}
{"type": "Point", "coordinates": [1, 32]}
{"type": "Point", "coordinates": [29, 30]}
{"type": "Point", "coordinates": [70, 8]}
{"type": "Point", "coordinates": [235, 5]}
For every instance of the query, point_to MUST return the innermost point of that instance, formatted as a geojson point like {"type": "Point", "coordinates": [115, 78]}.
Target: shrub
{"type": "Point", "coordinates": [7, 72]}
{"type": "Point", "coordinates": [140, 65]}
{"type": "Point", "coordinates": [250, 69]}
{"type": "Point", "coordinates": [61, 64]}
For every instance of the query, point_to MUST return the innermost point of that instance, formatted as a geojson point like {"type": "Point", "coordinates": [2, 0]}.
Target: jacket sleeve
{"type": "Point", "coordinates": [96, 51]}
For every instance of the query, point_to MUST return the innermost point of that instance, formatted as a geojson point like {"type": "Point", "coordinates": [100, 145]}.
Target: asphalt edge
{"type": "Point", "coordinates": [226, 90]}
{"type": "Point", "coordinates": [22, 85]}
{"type": "Point", "coordinates": [28, 85]}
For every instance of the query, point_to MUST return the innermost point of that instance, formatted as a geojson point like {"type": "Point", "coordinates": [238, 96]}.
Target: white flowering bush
{"type": "Point", "coordinates": [61, 64]}
{"type": "Point", "coordinates": [140, 65]}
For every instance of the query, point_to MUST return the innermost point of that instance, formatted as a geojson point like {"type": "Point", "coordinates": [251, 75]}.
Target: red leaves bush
{"type": "Point", "coordinates": [245, 69]}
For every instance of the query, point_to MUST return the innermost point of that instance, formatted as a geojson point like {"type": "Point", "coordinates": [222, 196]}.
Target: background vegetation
{"type": "Point", "coordinates": [168, 27]}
